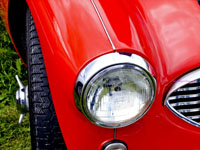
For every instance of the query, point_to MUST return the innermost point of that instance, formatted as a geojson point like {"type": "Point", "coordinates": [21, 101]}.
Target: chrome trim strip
{"type": "Point", "coordinates": [195, 81]}
{"type": "Point", "coordinates": [188, 78]}
{"type": "Point", "coordinates": [103, 24]}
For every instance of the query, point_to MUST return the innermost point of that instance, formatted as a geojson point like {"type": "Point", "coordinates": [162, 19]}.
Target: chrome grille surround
{"type": "Point", "coordinates": [183, 98]}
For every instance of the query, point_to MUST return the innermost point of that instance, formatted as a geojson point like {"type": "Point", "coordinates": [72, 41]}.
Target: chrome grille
{"type": "Point", "coordinates": [184, 98]}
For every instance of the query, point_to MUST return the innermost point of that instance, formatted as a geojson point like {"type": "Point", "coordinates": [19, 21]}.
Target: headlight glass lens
{"type": "Point", "coordinates": [118, 95]}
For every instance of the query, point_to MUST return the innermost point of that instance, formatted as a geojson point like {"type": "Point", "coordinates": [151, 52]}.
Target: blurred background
{"type": "Point", "coordinates": [12, 135]}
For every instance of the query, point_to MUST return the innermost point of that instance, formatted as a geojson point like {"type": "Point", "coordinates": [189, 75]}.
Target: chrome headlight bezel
{"type": "Point", "coordinates": [104, 64]}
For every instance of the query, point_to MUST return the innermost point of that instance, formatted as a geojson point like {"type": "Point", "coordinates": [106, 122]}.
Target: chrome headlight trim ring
{"type": "Point", "coordinates": [104, 64]}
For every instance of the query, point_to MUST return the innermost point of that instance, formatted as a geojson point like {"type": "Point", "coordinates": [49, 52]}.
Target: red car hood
{"type": "Point", "coordinates": [165, 32]}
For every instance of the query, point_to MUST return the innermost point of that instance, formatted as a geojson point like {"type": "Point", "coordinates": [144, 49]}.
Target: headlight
{"type": "Point", "coordinates": [115, 90]}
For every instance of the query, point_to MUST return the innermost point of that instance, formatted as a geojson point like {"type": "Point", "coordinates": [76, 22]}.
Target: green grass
{"type": "Point", "coordinates": [12, 135]}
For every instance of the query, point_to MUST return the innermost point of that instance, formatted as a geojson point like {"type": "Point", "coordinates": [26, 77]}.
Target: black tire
{"type": "Point", "coordinates": [45, 130]}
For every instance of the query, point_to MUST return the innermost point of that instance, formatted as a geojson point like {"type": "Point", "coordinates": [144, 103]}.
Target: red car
{"type": "Point", "coordinates": [121, 74]}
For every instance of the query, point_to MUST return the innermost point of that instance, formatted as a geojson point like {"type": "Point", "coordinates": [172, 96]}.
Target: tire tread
{"type": "Point", "coordinates": [45, 130]}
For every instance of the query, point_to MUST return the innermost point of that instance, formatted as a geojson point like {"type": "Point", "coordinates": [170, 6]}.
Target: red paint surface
{"type": "Point", "coordinates": [166, 33]}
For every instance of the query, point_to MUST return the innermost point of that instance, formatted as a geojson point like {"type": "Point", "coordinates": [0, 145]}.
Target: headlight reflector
{"type": "Point", "coordinates": [117, 95]}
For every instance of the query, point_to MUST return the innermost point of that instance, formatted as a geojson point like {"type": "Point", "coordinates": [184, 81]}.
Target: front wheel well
{"type": "Point", "coordinates": [17, 24]}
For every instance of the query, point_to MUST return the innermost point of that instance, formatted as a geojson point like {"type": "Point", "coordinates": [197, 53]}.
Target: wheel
{"type": "Point", "coordinates": [45, 130]}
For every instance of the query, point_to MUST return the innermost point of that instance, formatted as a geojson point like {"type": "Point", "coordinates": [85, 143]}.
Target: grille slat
{"type": "Point", "coordinates": [184, 96]}
{"type": "Point", "coordinates": [186, 91]}
{"type": "Point", "coordinates": [194, 117]}
{"type": "Point", "coordinates": [189, 110]}
{"type": "Point", "coordinates": [189, 106]}
{"type": "Point", "coordinates": [185, 101]}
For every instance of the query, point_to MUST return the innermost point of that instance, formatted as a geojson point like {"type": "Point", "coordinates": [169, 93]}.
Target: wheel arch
{"type": "Point", "coordinates": [17, 25]}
